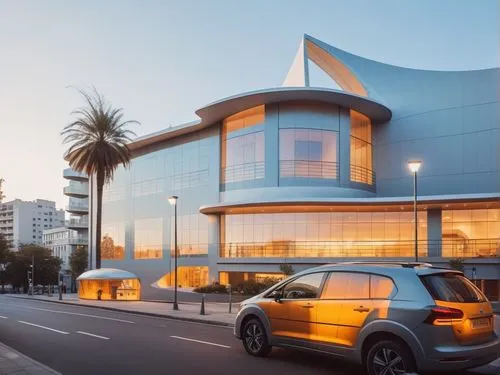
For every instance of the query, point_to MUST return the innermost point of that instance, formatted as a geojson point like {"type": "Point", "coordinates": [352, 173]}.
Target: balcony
{"type": "Point", "coordinates": [77, 223]}
{"type": "Point", "coordinates": [70, 174]}
{"type": "Point", "coordinates": [479, 248]}
{"type": "Point", "coordinates": [77, 208]}
{"type": "Point", "coordinates": [78, 240]}
{"type": "Point", "coordinates": [80, 190]}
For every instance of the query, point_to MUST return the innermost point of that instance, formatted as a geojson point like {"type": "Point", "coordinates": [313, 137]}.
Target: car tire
{"type": "Point", "coordinates": [254, 338]}
{"type": "Point", "coordinates": [393, 353]}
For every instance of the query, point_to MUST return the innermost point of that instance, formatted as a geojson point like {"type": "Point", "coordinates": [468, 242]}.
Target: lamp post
{"type": "Point", "coordinates": [173, 201]}
{"type": "Point", "coordinates": [3, 267]}
{"type": "Point", "coordinates": [414, 166]}
{"type": "Point", "coordinates": [32, 275]}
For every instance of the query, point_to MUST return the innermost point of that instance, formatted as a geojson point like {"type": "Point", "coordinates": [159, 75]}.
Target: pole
{"type": "Point", "coordinates": [33, 275]}
{"type": "Point", "coordinates": [176, 306]}
{"type": "Point", "coordinates": [415, 214]}
{"type": "Point", "coordinates": [230, 298]}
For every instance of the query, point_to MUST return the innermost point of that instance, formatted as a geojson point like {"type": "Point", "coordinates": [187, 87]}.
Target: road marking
{"type": "Point", "coordinates": [92, 335]}
{"type": "Point", "coordinates": [3, 317]}
{"type": "Point", "coordinates": [200, 342]}
{"type": "Point", "coordinates": [43, 327]}
{"type": "Point", "coordinates": [495, 363]}
{"type": "Point", "coordinates": [80, 314]}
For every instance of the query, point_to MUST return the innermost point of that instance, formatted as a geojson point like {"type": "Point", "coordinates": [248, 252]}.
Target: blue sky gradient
{"type": "Point", "coordinates": [161, 60]}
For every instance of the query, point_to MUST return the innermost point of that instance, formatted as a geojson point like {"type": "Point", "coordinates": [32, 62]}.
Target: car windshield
{"type": "Point", "coordinates": [451, 287]}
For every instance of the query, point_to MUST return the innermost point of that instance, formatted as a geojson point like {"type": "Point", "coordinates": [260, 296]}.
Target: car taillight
{"type": "Point", "coordinates": [442, 316]}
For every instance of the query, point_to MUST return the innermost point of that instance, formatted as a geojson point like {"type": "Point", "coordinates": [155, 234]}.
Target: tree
{"type": "Point", "coordinates": [457, 264]}
{"type": "Point", "coordinates": [98, 145]}
{"type": "Point", "coordinates": [47, 267]}
{"type": "Point", "coordinates": [286, 269]}
{"type": "Point", "coordinates": [5, 257]}
{"type": "Point", "coordinates": [78, 261]}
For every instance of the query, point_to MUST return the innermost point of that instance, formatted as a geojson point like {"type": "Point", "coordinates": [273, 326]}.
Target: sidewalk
{"type": "Point", "coordinates": [216, 313]}
{"type": "Point", "coordinates": [13, 362]}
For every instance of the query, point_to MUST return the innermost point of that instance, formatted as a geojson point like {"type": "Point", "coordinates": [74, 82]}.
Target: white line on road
{"type": "Point", "coordinates": [92, 335]}
{"type": "Point", "coordinates": [3, 317]}
{"type": "Point", "coordinates": [200, 342]}
{"type": "Point", "coordinates": [79, 314]}
{"type": "Point", "coordinates": [43, 327]}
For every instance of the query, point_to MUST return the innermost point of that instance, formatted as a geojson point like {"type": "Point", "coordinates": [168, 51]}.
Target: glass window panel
{"type": "Point", "coordinates": [304, 287]}
{"type": "Point", "coordinates": [479, 215]}
{"type": "Point", "coordinates": [494, 214]}
{"type": "Point", "coordinates": [346, 285]}
{"type": "Point", "coordinates": [381, 287]}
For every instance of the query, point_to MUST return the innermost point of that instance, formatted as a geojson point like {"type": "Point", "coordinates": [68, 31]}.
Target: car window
{"type": "Point", "coordinates": [307, 286]}
{"type": "Point", "coordinates": [452, 287]}
{"type": "Point", "coordinates": [347, 285]}
{"type": "Point", "coordinates": [381, 287]}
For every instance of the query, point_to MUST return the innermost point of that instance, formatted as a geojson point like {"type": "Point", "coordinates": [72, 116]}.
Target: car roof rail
{"type": "Point", "coordinates": [388, 263]}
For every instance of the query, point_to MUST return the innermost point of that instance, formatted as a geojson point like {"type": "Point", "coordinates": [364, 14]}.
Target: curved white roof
{"type": "Point", "coordinates": [107, 274]}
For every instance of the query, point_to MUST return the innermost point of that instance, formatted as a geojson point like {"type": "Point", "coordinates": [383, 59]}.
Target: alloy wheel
{"type": "Point", "coordinates": [388, 362]}
{"type": "Point", "coordinates": [254, 337]}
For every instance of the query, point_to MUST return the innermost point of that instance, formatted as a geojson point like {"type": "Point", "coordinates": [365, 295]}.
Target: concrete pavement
{"type": "Point", "coordinates": [13, 362]}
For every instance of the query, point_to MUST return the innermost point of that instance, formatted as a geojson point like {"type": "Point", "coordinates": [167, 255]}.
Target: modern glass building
{"type": "Point", "coordinates": [306, 176]}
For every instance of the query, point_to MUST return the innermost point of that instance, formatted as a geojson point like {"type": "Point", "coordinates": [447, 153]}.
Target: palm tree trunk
{"type": "Point", "coordinates": [100, 184]}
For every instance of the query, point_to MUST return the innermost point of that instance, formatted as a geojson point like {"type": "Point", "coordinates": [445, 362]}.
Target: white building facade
{"type": "Point", "coordinates": [23, 222]}
{"type": "Point", "coordinates": [78, 207]}
{"type": "Point", "coordinates": [62, 242]}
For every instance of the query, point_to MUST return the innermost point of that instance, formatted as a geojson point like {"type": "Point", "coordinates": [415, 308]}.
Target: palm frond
{"type": "Point", "coordinates": [98, 137]}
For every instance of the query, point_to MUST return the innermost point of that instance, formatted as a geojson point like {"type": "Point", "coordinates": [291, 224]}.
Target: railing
{"type": "Point", "coordinates": [243, 172]}
{"type": "Point", "coordinates": [78, 241]}
{"type": "Point", "coordinates": [77, 207]}
{"type": "Point", "coordinates": [362, 175]}
{"type": "Point", "coordinates": [73, 175]}
{"type": "Point", "coordinates": [75, 223]}
{"type": "Point", "coordinates": [309, 168]}
{"type": "Point", "coordinates": [82, 190]}
{"type": "Point", "coordinates": [148, 252]}
{"type": "Point", "coordinates": [68, 241]}
{"type": "Point", "coordinates": [359, 249]}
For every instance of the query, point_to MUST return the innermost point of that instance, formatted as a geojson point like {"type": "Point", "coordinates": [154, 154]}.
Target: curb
{"type": "Point", "coordinates": [142, 313]}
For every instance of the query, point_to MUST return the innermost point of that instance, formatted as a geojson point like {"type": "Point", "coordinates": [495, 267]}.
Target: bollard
{"type": "Point", "coordinates": [202, 309]}
{"type": "Point", "coordinates": [60, 291]}
{"type": "Point", "coordinates": [230, 298]}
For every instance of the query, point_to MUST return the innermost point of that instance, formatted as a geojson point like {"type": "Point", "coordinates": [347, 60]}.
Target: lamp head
{"type": "Point", "coordinates": [172, 200]}
{"type": "Point", "coordinates": [414, 165]}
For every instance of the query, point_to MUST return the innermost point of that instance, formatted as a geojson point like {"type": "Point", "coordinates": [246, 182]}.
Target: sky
{"type": "Point", "coordinates": [162, 60]}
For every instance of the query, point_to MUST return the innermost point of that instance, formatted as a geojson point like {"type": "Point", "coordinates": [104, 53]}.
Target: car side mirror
{"type": "Point", "coordinates": [276, 294]}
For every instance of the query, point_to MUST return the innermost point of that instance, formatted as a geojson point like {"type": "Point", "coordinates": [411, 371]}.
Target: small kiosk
{"type": "Point", "coordinates": [109, 284]}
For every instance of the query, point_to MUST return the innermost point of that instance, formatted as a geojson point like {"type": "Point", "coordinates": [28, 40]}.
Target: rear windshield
{"type": "Point", "coordinates": [451, 287]}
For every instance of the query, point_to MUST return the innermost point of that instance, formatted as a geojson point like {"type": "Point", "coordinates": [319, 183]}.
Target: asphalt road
{"type": "Point", "coordinates": [78, 340]}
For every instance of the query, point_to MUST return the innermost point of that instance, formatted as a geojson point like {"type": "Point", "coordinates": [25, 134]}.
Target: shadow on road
{"type": "Point", "coordinates": [315, 362]}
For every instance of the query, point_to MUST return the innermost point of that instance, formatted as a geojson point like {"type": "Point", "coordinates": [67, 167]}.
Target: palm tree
{"type": "Point", "coordinates": [98, 144]}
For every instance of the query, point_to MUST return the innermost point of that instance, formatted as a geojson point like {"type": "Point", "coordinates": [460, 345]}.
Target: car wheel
{"type": "Point", "coordinates": [389, 357]}
{"type": "Point", "coordinates": [255, 338]}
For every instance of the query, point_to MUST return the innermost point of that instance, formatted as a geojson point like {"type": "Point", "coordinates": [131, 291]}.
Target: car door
{"type": "Point", "coordinates": [356, 307]}
{"type": "Point", "coordinates": [294, 314]}
{"type": "Point", "coordinates": [329, 308]}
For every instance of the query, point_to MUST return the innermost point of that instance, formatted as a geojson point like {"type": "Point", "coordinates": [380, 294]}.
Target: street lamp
{"type": "Point", "coordinates": [173, 201]}
{"type": "Point", "coordinates": [3, 268]}
{"type": "Point", "coordinates": [414, 166]}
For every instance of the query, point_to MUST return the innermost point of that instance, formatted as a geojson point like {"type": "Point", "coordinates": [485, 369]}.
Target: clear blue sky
{"type": "Point", "coordinates": [161, 60]}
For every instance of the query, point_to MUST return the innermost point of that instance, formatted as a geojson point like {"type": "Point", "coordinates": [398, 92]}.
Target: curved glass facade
{"type": "Point", "coordinates": [471, 233]}
{"type": "Point", "coordinates": [242, 153]}
{"type": "Point", "coordinates": [361, 149]}
{"type": "Point", "coordinates": [322, 234]}
{"type": "Point", "coordinates": [308, 153]}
